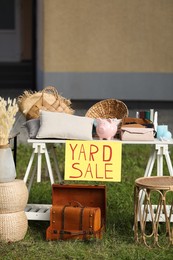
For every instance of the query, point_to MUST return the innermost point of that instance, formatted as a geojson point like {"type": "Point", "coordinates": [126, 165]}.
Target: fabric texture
{"type": "Point", "coordinates": [32, 127]}
{"type": "Point", "coordinates": [64, 126]}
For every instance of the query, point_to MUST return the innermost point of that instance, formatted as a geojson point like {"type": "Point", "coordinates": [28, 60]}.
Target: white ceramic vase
{"type": "Point", "coordinates": [7, 166]}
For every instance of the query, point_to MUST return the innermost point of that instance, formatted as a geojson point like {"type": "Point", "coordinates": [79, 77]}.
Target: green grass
{"type": "Point", "coordinates": [118, 240]}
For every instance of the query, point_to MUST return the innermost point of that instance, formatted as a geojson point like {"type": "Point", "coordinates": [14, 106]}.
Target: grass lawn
{"type": "Point", "coordinates": [118, 240]}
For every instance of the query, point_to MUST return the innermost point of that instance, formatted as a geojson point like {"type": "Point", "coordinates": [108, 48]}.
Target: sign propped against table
{"type": "Point", "coordinates": [93, 161]}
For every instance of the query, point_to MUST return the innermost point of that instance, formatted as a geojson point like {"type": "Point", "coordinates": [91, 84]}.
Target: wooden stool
{"type": "Point", "coordinates": [149, 191]}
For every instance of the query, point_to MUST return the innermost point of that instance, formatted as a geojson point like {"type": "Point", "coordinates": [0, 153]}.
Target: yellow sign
{"type": "Point", "coordinates": [93, 161]}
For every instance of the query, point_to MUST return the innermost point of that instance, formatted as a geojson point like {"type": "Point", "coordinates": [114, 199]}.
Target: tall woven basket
{"type": "Point", "coordinates": [13, 220]}
{"type": "Point", "coordinates": [108, 108]}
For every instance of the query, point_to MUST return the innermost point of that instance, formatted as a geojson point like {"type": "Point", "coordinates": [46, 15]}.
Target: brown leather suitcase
{"type": "Point", "coordinates": [74, 222]}
{"type": "Point", "coordinates": [77, 212]}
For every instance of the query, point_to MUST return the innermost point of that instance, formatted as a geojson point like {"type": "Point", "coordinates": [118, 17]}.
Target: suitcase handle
{"type": "Point", "coordinates": [75, 203]}
{"type": "Point", "coordinates": [72, 203]}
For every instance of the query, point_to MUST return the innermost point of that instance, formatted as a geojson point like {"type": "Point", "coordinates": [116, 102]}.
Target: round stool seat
{"type": "Point", "coordinates": [156, 182]}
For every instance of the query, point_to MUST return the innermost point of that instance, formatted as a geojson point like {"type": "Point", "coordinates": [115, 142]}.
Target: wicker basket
{"type": "Point", "coordinates": [108, 108]}
{"type": "Point", "coordinates": [13, 226]}
{"type": "Point", "coordinates": [13, 196]}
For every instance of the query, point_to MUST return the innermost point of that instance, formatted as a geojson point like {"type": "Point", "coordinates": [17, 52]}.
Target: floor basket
{"type": "Point", "coordinates": [108, 108]}
{"type": "Point", "coordinates": [13, 226]}
{"type": "Point", "coordinates": [13, 196]}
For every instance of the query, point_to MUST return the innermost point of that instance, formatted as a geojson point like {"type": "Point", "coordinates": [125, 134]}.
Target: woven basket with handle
{"type": "Point", "coordinates": [108, 108]}
{"type": "Point", "coordinates": [48, 99]}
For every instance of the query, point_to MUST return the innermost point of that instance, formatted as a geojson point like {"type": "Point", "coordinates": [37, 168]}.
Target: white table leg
{"type": "Point", "coordinates": [56, 165]}
{"type": "Point", "coordinates": [150, 164]}
{"type": "Point", "coordinates": [39, 160]}
{"type": "Point", "coordinates": [160, 153]}
{"type": "Point", "coordinates": [159, 165]}
{"type": "Point", "coordinates": [168, 161]}
{"type": "Point", "coordinates": [39, 149]}
{"type": "Point", "coordinates": [29, 167]}
{"type": "Point", "coordinates": [49, 166]}
{"type": "Point", "coordinates": [163, 151]}
{"type": "Point", "coordinates": [148, 173]}
{"type": "Point", "coordinates": [32, 178]}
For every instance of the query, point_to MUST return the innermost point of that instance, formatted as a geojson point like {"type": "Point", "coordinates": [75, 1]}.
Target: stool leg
{"type": "Point", "coordinates": [167, 218]}
{"type": "Point", "coordinates": [143, 212]}
{"type": "Point", "coordinates": [136, 205]}
{"type": "Point", "coordinates": [155, 217]}
{"type": "Point", "coordinates": [170, 220]}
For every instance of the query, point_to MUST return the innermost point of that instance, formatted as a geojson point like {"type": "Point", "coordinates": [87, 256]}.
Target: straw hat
{"type": "Point", "coordinates": [48, 99]}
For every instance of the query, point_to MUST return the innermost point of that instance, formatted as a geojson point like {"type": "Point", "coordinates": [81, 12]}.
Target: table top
{"type": "Point", "coordinates": [60, 141]}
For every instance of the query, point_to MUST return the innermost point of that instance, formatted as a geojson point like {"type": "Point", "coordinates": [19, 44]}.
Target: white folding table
{"type": "Point", "coordinates": [40, 149]}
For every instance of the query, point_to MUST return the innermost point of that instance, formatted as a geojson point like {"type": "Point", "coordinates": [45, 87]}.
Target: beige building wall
{"type": "Point", "coordinates": [108, 35]}
{"type": "Point", "coordinates": [98, 49]}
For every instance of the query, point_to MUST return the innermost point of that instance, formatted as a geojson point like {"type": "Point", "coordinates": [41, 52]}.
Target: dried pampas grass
{"type": "Point", "coordinates": [8, 110]}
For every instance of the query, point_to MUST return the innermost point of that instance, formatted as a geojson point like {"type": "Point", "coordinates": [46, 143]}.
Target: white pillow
{"type": "Point", "coordinates": [64, 126]}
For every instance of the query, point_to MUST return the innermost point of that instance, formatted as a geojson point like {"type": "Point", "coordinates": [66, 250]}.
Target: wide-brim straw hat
{"type": "Point", "coordinates": [48, 99]}
{"type": "Point", "coordinates": [108, 108]}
